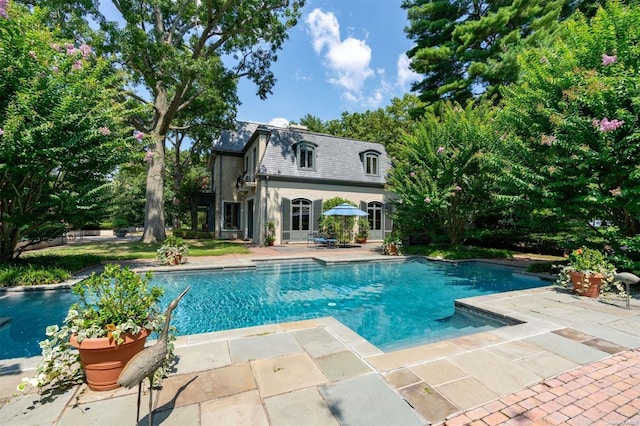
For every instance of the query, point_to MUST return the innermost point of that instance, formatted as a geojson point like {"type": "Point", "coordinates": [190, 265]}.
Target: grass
{"type": "Point", "coordinates": [57, 264]}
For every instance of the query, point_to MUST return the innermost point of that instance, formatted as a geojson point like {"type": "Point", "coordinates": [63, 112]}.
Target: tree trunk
{"type": "Point", "coordinates": [154, 231]}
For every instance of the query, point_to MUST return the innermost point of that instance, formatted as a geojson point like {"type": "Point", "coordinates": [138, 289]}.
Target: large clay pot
{"type": "Point", "coordinates": [584, 285]}
{"type": "Point", "coordinates": [103, 361]}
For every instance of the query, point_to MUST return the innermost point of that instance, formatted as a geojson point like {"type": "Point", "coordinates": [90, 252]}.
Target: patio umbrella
{"type": "Point", "coordinates": [345, 210]}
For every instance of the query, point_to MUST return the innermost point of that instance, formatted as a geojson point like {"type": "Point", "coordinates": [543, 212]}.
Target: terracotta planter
{"type": "Point", "coordinates": [584, 285]}
{"type": "Point", "coordinates": [103, 361]}
{"type": "Point", "coordinates": [360, 240]}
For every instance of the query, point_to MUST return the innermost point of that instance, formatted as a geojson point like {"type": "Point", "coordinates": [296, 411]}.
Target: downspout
{"type": "Point", "coordinates": [266, 206]}
{"type": "Point", "coordinates": [221, 213]}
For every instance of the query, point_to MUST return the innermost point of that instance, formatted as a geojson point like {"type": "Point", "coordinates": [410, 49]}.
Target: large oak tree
{"type": "Point", "coordinates": [180, 52]}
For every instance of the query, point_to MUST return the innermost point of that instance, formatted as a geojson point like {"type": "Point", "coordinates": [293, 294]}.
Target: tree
{"type": "Point", "coordinates": [444, 171]}
{"type": "Point", "coordinates": [61, 131]}
{"type": "Point", "coordinates": [465, 48]}
{"type": "Point", "coordinates": [127, 195]}
{"type": "Point", "coordinates": [181, 52]}
{"type": "Point", "coordinates": [576, 115]}
{"type": "Point", "coordinates": [382, 125]}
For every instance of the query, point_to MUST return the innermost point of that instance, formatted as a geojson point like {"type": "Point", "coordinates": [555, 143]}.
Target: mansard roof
{"type": "Point", "coordinates": [337, 159]}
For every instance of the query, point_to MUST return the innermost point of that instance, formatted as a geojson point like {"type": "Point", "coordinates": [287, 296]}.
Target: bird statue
{"type": "Point", "coordinates": [145, 363]}
{"type": "Point", "coordinates": [627, 278]}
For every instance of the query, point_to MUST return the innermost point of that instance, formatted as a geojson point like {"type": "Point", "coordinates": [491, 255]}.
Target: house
{"type": "Point", "coordinates": [262, 173]}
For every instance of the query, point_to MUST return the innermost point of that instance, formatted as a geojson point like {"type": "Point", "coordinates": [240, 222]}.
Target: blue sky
{"type": "Point", "coordinates": [344, 55]}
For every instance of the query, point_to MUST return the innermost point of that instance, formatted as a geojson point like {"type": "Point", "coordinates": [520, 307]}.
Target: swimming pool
{"type": "Point", "coordinates": [391, 304]}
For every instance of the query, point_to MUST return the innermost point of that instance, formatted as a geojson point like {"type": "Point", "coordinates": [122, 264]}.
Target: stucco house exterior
{"type": "Point", "coordinates": [262, 173]}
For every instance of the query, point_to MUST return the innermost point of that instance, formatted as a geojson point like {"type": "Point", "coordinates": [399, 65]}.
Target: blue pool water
{"type": "Point", "coordinates": [391, 304]}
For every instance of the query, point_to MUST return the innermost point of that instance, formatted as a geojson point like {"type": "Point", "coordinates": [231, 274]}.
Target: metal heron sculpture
{"type": "Point", "coordinates": [627, 278]}
{"type": "Point", "coordinates": [146, 363]}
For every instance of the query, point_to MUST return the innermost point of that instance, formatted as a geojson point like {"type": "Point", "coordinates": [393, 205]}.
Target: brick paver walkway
{"type": "Point", "coordinates": [605, 392]}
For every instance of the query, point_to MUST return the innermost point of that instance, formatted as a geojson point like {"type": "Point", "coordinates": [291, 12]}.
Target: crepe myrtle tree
{"type": "Point", "coordinates": [61, 130]}
{"type": "Point", "coordinates": [180, 52]}
{"type": "Point", "coordinates": [576, 114]}
{"type": "Point", "coordinates": [444, 171]}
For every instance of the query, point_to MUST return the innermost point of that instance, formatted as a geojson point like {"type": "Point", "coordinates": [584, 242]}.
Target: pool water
{"type": "Point", "coordinates": [391, 304]}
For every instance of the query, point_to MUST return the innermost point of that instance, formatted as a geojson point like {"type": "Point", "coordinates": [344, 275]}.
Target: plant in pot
{"type": "Point", "coordinates": [588, 271]}
{"type": "Point", "coordinates": [392, 245]}
{"type": "Point", "coordinates": [112, 318]}
{"type": "Point", "coordinates": [363, 230]}
{"type": "Point", "coordinates": [269, 232]}
{"type": "Point", "coordinates": [173, 252]}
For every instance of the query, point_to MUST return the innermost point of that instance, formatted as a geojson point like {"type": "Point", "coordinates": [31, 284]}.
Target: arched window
{"type": "Point", "coordinates": [375, 215]}
{"type": "Point", "coordinates": [300, 214]}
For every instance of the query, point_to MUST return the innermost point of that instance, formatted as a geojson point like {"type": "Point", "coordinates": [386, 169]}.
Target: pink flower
{"type": "Point", "coordinates": [624, 248]}
{"type": "Point", "coordinates": [77, 65]}
{"type": "Point", "coordinates": [547, 140]}
{"type": "Point", "coordinates": [55, 69]}
{"type": "Point", "coordinates": [608, 60]}
{"type": "Point", "coordinates": [105, 131]}
{"type": "Point", "coordinates": [33, 54]}
{"type": "Point", "coordinates": [3, 9]}
{"type": "Point", "coordinates": [138, 135]}
{"type": "Point", "coordinates": [606, 125]}
{"type": "Point", "coordinates": [412, 174]}
{"type": "Point", "coordinates": [71, 49]}
{"type": "Point", "coordinates": [86, 50]}
{"type": "Point", "coordinates": [1, 131]}
{"type": "Point", "coordinates": [440, 149]}
{"type": "Point", "coordinates": [427, 200]}
{"type": "Point", "coordinates": [55, 46]}
{"type": "Point", "coordinates": [616, 191]}
{"type": "Point", "coordinates": [148, 156]}
{"type": "Point", "coordinates": [458, 188]}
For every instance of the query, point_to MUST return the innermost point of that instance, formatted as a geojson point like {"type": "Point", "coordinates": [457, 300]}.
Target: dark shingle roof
{"type": "Point", "coordinates": [235, 141]}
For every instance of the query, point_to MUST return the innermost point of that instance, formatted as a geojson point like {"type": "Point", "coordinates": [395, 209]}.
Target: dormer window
{"type": "Point", "coordinates": [370, 161]}
{"type": "Point", "coordinates": [306, 153]}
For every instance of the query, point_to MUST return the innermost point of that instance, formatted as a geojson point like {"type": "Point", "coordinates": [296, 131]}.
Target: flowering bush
{"type": "Point", "coordinates": [116, 302]}
{"type": "Point", "coordinates": [173, 252]}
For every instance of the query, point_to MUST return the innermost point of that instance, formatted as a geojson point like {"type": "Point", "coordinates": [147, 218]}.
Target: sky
{"type": "Point", "coordinates": [343, 55]}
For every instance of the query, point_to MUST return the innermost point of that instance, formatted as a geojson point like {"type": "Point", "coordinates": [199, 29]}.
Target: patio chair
{"type": "Point", "coordinates": [314, 239]}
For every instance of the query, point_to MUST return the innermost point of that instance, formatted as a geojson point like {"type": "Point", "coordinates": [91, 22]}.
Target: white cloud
{"type": "Point", "coordinates": [279, 122]}
{"type": "Point", "coordinates": [348, 60]}
{"type": "Point", "coordinates": [405, 74]}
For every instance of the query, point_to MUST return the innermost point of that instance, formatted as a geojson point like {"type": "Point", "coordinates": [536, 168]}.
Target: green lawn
{"type": "Point", "coordinates": [57, 264]}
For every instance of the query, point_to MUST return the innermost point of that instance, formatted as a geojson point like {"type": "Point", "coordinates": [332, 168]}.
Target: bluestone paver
{"type": "Point", "coordinates": [567, 348]}
{"type": "Point", "coordinates": [368, 401]}
{"type": "Point", "coordinates": [239, 409]}
{"type": "Point", "coordinates": [302, 407]}
{"type": "Point", "coordinates": [262, 347]}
